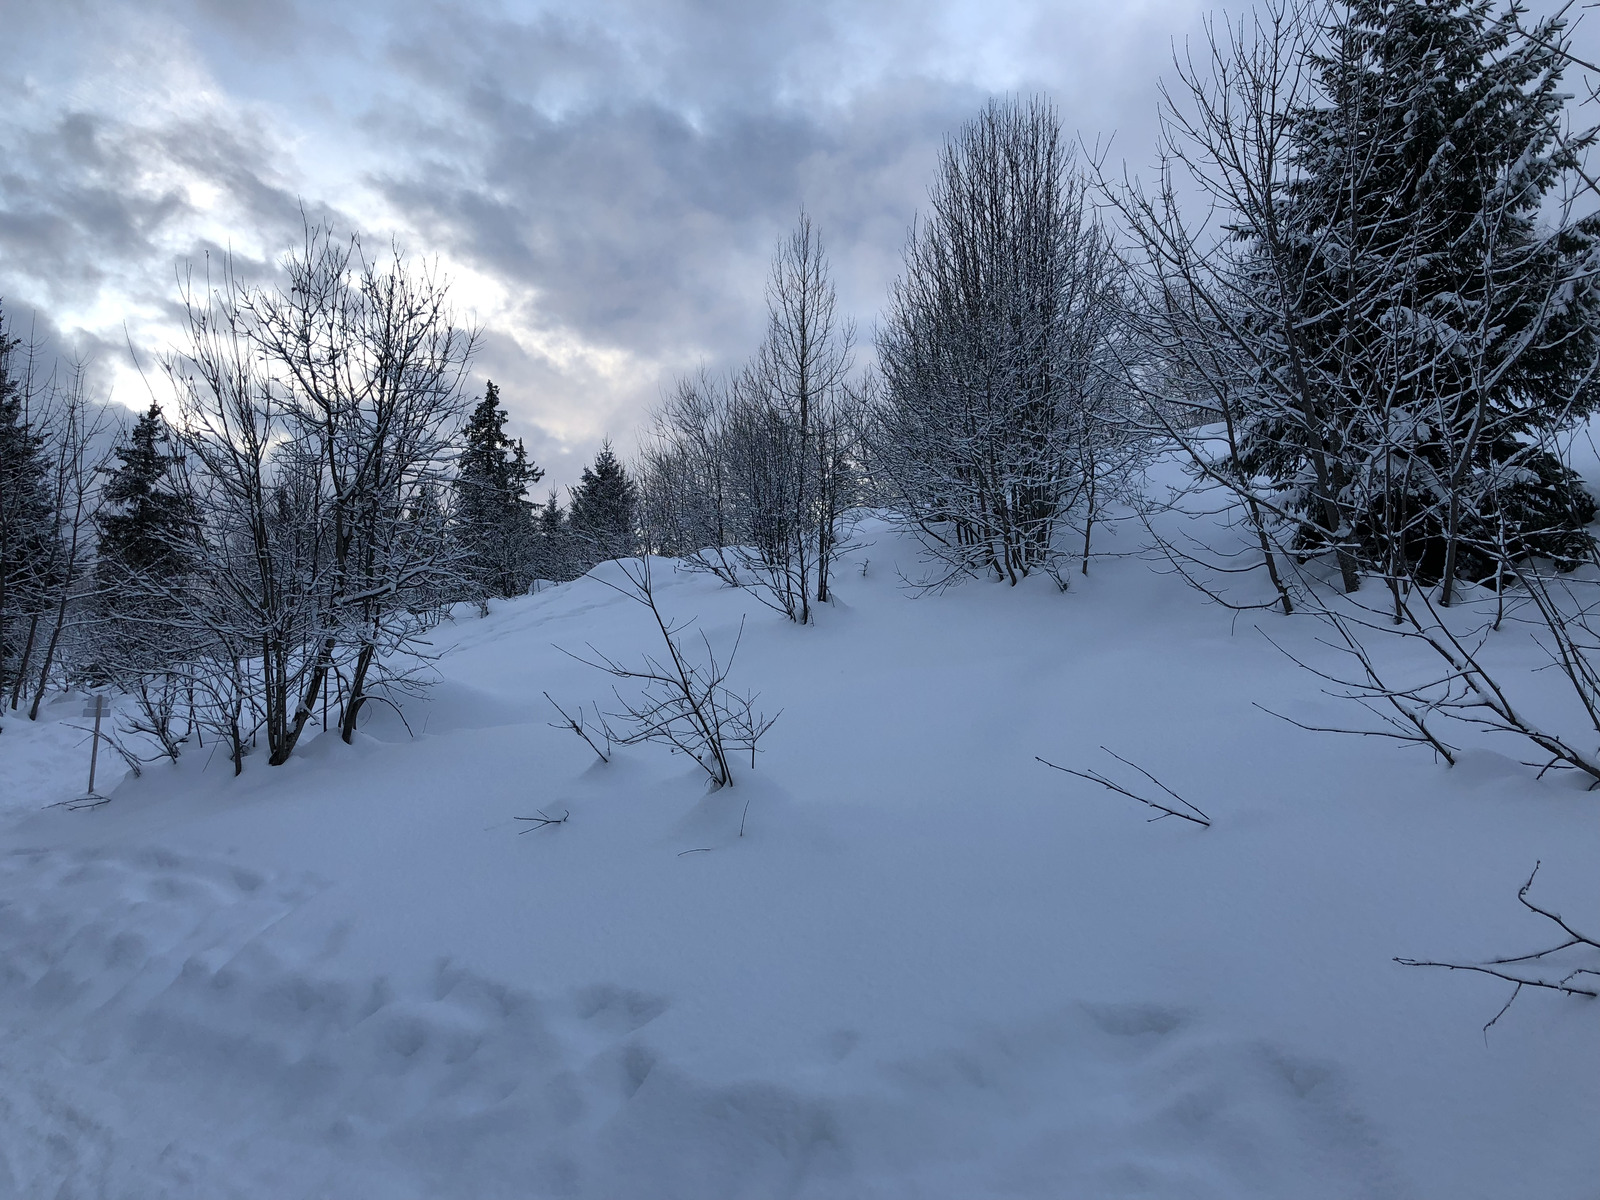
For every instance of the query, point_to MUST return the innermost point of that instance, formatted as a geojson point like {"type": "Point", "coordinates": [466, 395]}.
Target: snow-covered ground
{"type": "Point", "coordinates": [931, 967]}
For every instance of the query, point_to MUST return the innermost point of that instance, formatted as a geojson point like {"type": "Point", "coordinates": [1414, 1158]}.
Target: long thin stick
{"type": "Point", "coordinates": [94, 748]}
{"type": "Point", "coordinates": [1194, 815]}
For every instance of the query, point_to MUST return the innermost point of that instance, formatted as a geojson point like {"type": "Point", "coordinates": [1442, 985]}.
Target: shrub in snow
{"type": "Point", "coordinates": [673, 698]}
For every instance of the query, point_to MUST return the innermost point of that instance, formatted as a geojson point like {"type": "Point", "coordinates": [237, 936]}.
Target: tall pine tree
{"type": "Point", "coordinates": [493, 520]}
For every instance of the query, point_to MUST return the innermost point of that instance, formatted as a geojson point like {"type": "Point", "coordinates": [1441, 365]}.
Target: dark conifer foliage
{"type": "Point", "coordinates": [25, 509]}
{"type": "Point", "coordinates": [556, 554]}
{"type": "Point", "coordinates": [148, 524]}
{"type": "Point", "coordinates": [604, 509]}
{"type": "Point", "coordinates": [493, 520]}
{"type": "Point", "coordinates": [1446, 326]}
{"type": "Point", "coordinates": [146, 519]}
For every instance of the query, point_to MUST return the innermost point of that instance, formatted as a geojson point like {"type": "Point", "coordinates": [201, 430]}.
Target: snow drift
{"type": "Point", "coordinates": [929, 968]}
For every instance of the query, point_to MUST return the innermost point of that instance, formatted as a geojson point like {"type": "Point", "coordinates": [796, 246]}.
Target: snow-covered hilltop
{"type": "Point", "coordinates": [930, 967]}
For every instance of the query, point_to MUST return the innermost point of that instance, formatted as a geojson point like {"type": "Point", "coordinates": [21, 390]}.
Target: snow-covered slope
{"type": "Point", "coordinates": [930, 968]}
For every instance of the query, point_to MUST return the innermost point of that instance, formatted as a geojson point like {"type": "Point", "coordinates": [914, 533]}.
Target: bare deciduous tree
{"type": "Point", "coordinates": [318, 419]}
{"type": "Point", "coordinates": [755, 478]}
{"type": "Point", "coordinates": [995, 352]}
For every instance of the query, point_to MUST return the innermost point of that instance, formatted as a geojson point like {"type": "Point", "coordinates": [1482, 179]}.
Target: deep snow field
{"type": "Point", "coordinates": [931, 967]}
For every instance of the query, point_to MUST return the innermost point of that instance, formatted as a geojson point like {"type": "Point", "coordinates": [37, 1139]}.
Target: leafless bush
{"type": "Point", "coordinates": [676, 699]}
{"type": "Point", "coordinates": [1459, 688]}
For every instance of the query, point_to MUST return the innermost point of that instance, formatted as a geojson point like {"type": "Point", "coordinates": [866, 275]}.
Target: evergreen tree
{"type": "Point", "coordinates": [25, 511]}
{"type": "Point", "coordinates": [493, 521]}
{"type": "Point", "coordinates": [1441, 326]}
{"type": "Point", "coordinates": [147, 524]}
{"type": "Point", "coordinates": [555, 554]}
{"type": "Point", "coordinates": [146, 515]}
{"type": "Point", "coordinates": [604, 505]}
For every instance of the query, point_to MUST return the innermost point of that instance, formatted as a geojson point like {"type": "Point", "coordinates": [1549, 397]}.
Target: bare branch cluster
{"type": "Point", "coordinates": [49, 465]}
{"type": "Point", "coordinates": [675, 699]}
{"type": "Point", "coordinates": [1001, 417]}
{"type": "Point", "coordinates": [1535, 969]}
{"type": "Point", "coordinates": [754, 477]}
{"type": "Point", "coordinates": [316, 428]}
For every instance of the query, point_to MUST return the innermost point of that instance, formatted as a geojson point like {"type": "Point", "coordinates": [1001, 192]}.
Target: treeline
{"type": "Point", "coordinates": [275, 556]}
{"type": "Point", "coordinates": [1359, 301]}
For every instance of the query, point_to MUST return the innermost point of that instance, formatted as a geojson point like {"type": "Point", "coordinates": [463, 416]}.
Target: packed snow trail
{"type": "Point", "coordinates": [930, 968]}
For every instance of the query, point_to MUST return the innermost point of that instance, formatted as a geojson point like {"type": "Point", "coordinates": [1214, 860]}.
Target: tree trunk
{"type": "Point", "coordinates": [358, 695]}
{"type": "Point", "coordinates": [22, 663]}
{"type": "Point", "coordinates": [50, 650]}
{"type": "Point", "coordinates": [306, 709]}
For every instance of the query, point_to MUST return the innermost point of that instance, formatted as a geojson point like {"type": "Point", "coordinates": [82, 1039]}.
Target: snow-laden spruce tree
{"type": "Point", "coordinates": [995, 349]}
{"type": "Point", "coordinates": [1444, 302]}
{"type": "Point", "coordinates": [491, 519]}
{"type": "Point", "coordinates": [1390, 312]}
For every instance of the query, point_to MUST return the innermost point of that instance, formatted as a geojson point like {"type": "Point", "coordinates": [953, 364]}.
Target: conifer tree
{"type": "Point", "coordinates": [493, 520]}
{"type": "Point", "coordinates": [146, 515]}
{"type": "Point", "coordinates": [1443, 319]}
{"type": "Point", "coordinates": [147, 523]}
{"type": "Point", "coordinates": [555, 554]}
{"type": "Point", "coordinates": [604, 507]}
{"type": "Point", "coordinates": [25, 510]}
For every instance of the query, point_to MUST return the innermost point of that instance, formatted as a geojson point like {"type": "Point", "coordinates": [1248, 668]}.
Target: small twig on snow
{"type": "Point", "coordinates": [576, 725]}
{"type": "Point", "coordinates": [1193, 814]}
{"type": "Point", "coordinates": [1494, 966]}
{"type": "Point", "coordinates": [542, 821]}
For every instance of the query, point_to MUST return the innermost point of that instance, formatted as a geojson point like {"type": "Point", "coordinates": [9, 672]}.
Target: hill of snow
{"type": "Point", "coordinates": [931, 967]}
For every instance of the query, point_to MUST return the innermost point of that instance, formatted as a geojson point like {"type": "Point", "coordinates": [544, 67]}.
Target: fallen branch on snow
{"type": "Point", "coordinates": [542, 821]}
{"type": "Point", "coordinates": [1498, 966]}
{"type": "Point", "coordinates": [1166, 810]}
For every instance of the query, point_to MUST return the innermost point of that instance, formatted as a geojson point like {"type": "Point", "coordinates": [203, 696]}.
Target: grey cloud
{"type": "Point", "coordinates": [622, 168]}
{"type": "Point", "coordinates": [70, 204]}
{"type": "Point", "coordinates": [83, 201]}
{"type": "Point", "coordinates": [645, 220]}
{"type": "Point", "coordinates": [629, 227]}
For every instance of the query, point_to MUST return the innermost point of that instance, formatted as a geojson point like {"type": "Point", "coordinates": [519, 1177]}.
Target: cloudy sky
{"type": "Point", "coordinates": [603, 181]}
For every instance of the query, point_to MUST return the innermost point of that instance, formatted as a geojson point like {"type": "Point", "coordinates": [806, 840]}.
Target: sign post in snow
{"type": "Point", "coordinates": [96, 707]}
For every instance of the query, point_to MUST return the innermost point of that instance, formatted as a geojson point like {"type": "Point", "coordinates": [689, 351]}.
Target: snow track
{"type": "Point", "coordinates": [175, 1020]}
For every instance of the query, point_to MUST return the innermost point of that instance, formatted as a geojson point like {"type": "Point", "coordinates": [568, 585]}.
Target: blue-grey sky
{"type": "Point", "coordinates": [603, 181]}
